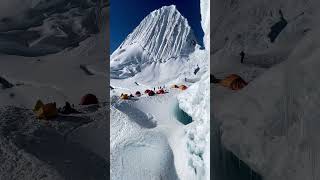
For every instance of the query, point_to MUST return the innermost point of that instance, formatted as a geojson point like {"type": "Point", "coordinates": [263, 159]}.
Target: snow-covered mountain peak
{"type": "Point", "coordinates": [161, 36]}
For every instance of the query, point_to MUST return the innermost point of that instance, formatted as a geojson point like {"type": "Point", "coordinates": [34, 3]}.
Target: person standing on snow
{"type": "Point", "coordinates": [242, 54]}
{"type": "Point", "coordinates": [196, 70]}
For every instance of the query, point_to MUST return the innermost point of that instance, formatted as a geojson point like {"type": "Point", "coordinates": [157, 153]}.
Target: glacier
{"type": "Point", "coordinates": [161, 51]}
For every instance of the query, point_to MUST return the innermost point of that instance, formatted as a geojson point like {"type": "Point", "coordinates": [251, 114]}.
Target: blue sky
{"type": "Point", "coordinates": [125, 15]}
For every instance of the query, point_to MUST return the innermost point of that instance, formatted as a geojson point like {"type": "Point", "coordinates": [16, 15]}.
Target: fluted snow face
{"type": "Point", "coordinates": [164, 34]}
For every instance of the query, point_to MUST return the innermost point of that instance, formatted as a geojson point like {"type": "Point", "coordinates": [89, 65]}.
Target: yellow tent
{"type": "Point", "coordinates": [124, 96]}
{"type": "Point", "coordinates": [45, 111]}
{"type": "Point", "coordinates": [38, 105]}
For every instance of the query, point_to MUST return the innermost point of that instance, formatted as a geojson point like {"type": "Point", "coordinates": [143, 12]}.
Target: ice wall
{"type": "Point", "coordinates": [196, 102]}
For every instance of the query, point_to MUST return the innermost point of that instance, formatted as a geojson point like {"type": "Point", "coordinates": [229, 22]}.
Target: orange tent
{"type": "Point", "coordinates": [45, 111]}
{"type": "Point", "coordinates": [183, 87]}
{"type": "Point", "coordinates": [233, 82]}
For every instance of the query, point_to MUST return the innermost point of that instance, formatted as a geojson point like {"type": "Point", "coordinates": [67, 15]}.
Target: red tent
{"type": "Point", "coordinates": [151, 93]}
{"type": "Point", "coordinates": [161, 91]}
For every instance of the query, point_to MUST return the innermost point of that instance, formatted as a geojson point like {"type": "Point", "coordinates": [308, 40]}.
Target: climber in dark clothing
{"type": "Point", "coordinates": [196, 70]}
{"type": "Point", "coordinates": [282, 16]}
{"type": "Point", "coordinates": [242, 54]}
{"type": "Point", "coordinates": [67, 109]}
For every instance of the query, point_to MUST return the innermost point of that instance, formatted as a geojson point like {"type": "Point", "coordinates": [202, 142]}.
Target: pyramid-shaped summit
{"type": "Point", "coordinates": [162, 35]}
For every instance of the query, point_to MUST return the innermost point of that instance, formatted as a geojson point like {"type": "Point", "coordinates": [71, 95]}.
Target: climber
{"type": "Point", "coordinates": [196, 70]}
{"type": "Point", "coordinates": [67, 109]}
{"type": "Point", "coordinates": [242, 54]}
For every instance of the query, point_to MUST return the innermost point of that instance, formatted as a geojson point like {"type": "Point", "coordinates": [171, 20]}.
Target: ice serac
{"type": "Point", "coordinates": [161, 36]}
{"type": "Point", "coordinates": [195, 103]}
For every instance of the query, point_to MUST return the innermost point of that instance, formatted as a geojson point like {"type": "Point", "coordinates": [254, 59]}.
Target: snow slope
{"type": "Point", "coordinates": [278, 139]}
{"type": "Point", "coordinates": [44, 27]}
{"type": "Point", "coordinates": [61, 148]}
{"type": "Point", "coordinates": [270, 124]}
{"type": "Point", "coordinates": [56, 77]}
